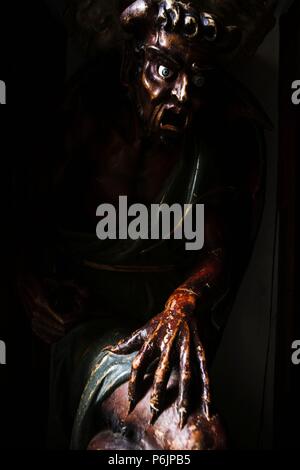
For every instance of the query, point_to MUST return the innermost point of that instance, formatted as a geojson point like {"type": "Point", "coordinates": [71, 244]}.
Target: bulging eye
{"type": "Point", "coordinates": [164, 72]}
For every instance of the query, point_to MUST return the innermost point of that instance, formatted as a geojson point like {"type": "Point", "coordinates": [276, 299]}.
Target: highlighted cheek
{"type": "Point", "coordinates": [153, 88]}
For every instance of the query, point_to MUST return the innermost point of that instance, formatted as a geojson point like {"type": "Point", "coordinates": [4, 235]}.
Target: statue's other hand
{"type": "Point", "coordinates": [170, 339]}
{"type": "Point", "coordinates": [53, 307]}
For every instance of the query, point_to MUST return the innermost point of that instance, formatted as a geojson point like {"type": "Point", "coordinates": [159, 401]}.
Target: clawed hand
{"type": "Point", "coordinates": [172, 339]}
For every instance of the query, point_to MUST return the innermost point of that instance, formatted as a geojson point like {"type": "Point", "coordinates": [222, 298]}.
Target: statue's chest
{"type": "Point", "coordinates": [133, 170]}
{"type": "Point", "coordinates": [112, 166]}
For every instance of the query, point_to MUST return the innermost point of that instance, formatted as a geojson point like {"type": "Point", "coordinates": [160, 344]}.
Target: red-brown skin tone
{"type": "Point", "coordinates": [172, 337]}
{"type": "Point", "coordinates": [171, 79]}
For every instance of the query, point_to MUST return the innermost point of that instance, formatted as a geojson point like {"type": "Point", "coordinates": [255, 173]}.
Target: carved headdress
{"type": "Point", "coordinates": [225, 29]}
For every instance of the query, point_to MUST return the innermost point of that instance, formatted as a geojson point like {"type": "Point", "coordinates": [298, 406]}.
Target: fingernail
{"type": "Point", "coordinates": [182, 418]}
{"type": "Point", "coordinates": [205, 410]}
{"type": "Point", "coordinates": [154, 413]}
{"type": "Point", "coordinates": [131, 406]}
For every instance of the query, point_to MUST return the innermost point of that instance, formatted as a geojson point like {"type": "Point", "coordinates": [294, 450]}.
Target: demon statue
{"type": "Point", "coordinates": [167, 125]}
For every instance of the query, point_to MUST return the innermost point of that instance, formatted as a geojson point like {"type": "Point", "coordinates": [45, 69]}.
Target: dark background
{"type": "Point", "coordinates": [33, 64]}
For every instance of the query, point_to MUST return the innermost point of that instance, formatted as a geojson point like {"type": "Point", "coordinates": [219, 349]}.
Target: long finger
{"type": "Point", "coordinates": [139, 367]}
{"type": "Point", "coordinates": [200, 355]}
{"type": "Point", "coordinates": [135, 341]}
{"type": "Point", "coordinates": [185, 375]}
{"type": "Point", "coordinates": [162, 373]}
{"type": "Point", "coordinates": [129, 344]}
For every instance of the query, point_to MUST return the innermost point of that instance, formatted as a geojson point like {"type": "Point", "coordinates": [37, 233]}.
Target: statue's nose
{"type": "Point", "coordinates": [180, 90]}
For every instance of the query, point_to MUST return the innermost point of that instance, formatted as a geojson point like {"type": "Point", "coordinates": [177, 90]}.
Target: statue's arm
{"type": "Point", "coordinates": [173, 337]}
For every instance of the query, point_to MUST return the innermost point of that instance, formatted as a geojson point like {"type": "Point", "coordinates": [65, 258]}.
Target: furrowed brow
{"type": "Point", "coordinates": [165, 56]}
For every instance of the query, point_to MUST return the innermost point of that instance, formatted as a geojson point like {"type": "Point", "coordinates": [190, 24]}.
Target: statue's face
{"type": "Point", "coordinates": [171, 85]}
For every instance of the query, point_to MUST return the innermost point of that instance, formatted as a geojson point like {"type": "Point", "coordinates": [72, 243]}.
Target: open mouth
{"type": "Point", "coordinates": [173, 121]}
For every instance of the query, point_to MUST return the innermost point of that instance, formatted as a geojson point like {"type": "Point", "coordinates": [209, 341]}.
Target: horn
{"type": "Point", "coordinates": [136, 13]}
